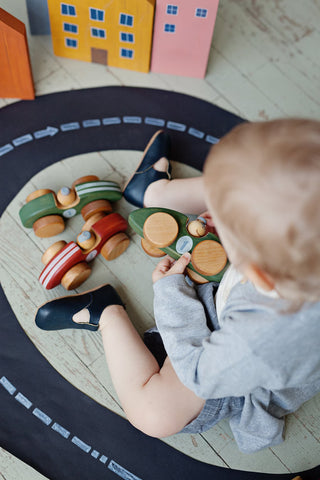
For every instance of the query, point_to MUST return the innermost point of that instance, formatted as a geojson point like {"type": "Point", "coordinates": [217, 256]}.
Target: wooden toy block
{"type": "Point", "coordinates": [16, 76]}
{"type": "Point", "coordinates": [117, 33]}
{"type": "Point", "coordinates": [166, 231]}
{"type": "Point", "coordinates": [67, 263]}
{"type": "Point", "coordinates": [45, 211]}
{"type": "Point", "coordinates": [182, 36]}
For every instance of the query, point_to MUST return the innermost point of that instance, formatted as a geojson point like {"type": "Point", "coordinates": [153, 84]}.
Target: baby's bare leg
{"type": "Point", "coordinates": [183, 194]}
{"type": "Point", "coordinates": [154, 399]}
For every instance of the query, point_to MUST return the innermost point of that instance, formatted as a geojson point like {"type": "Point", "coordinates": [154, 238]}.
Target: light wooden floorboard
{"type": "Point", "coordinates": [264, 63]}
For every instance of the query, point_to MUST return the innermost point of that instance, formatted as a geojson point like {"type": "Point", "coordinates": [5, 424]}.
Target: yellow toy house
{"type": "Point", "coordinates": [117, 33]}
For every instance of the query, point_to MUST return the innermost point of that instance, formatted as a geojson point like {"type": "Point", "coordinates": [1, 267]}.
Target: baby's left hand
{"type": "Point", "coordinates": [168, 266]}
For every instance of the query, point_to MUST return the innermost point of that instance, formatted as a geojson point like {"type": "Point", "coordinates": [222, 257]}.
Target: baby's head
{"type": "Point", "coordinates": [262, 186]}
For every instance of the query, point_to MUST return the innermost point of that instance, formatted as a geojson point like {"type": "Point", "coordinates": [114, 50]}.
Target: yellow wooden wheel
{"type": "Point", "coordinates": [115, 246]}
{"type": "Point", "coordinates": [52, 251]}
{"type": "Point", "coordinates": [38, 193]}
{"type": "Point", "coordinates": [48, 226]}
{"type": "Point", "coordinates": [76, 276]}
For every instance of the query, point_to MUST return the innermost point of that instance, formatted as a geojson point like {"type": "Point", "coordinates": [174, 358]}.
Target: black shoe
{"type": "Point", "coordinates": [158, 147]}
{"type": "Point", "coordinates": [57, 314]}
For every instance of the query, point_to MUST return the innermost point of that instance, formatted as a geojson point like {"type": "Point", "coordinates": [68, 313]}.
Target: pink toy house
{"type": "Point", "coordinates": [182, 36]}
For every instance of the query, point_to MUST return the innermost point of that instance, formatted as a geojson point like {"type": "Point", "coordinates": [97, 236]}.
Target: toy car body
{"type": "Point", "coordinates": [183, 242]}
{"type": "Point", "coordinates": [87, 192]}
{"type": "Point", "coordinates": [70, 255]}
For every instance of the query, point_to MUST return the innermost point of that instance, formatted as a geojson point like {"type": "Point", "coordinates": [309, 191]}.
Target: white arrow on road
{"type": "Point", "coordinates": [48, 132]}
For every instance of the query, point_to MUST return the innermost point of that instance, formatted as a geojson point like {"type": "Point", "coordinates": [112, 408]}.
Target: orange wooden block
{"type": "Point", "coordinates": [208, 257]}
{"type": "Point", "coordinates": [16, 76]}
{"type": "Point", "coordinates": [160, 229]}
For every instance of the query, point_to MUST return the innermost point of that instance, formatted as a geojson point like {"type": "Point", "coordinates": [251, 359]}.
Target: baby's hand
{"type": "Point", "coordinates": [168, 266]}
{"type": "Point", "coordinates": [210, 225]}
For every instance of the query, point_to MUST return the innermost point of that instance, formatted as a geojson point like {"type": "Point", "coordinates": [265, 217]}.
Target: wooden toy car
{"type": "Point", "coordinates": [165, 231]}
{"type": "Point", "coordinates": [67, 263]}
{"type": "Point", "coordinates": [45, 211]}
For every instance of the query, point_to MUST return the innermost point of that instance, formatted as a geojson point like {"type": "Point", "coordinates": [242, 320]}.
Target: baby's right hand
{"type": "Point", "coordinates": [168, 266]}
{"type": "Point", "coordinates": [210, 225]}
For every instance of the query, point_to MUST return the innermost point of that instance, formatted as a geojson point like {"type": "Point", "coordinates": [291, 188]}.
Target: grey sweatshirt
{"type": "Point", "coordinates": [269, 357]}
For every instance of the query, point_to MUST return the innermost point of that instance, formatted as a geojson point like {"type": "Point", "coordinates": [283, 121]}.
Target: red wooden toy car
{"type": "Point", "coordinates": [67, 263]}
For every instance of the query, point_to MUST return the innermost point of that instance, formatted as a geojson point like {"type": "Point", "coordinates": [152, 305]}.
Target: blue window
{"type": "Point", "coordinates": [172, 9]}
{"type": "Point", "coordinates": [70, 27]}
{"type": "Point", "coordinates": [126, 37]}
{"type": "Point", "coordinates": [168, 27]}
{"type": "Point", "coordinates": [70, 42]}
{"type": "Point", "coordinates": [201, 12]}
{"type": "Point", "coordinates": [96, 14]}
{"type": "Point", "coordinates": [68, 9]}
{"type": "Point", "coordinates": [126, 53]}
{"type": "Point", "coordinates": [126, 19]}
{"type": "Point", "coordinates": [98, 32]}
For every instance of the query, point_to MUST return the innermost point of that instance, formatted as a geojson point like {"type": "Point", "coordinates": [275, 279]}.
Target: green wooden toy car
{"type": "Point", "coordinates": [166, 231]}
{"type": "Point", "coordinates": [45, 211]}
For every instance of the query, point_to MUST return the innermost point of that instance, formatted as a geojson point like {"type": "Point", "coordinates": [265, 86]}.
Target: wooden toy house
{"type": "Point", "coordinates": [117, 33]}
{"type": "Point", "coordinates": [182, 36]}
{"type": "Point", "coordinates": [15, 69]}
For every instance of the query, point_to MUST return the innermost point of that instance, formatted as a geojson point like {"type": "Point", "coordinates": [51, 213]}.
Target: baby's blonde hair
{"type": "Point", "coordinates": [262, 183]}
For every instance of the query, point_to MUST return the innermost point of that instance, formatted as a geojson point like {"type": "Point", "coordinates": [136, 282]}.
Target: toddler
{"type": "Point", "coordinates": [248, 349]}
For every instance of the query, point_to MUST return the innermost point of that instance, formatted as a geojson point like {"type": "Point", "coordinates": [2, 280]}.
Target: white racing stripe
{"type": "Point", "coordinates": [99, 189]}
{"type": "Point", "coordinates": [100, 183]}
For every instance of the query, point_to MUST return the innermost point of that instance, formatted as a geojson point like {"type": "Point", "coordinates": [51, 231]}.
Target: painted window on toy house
{"type": "Point", "coordinates": [126, 20]}
{"type": "Point", "coordinates": [169, 28]}
{"type": "Point", "coordinates": [71, 42]}
{"type": "Point", "coordinates": [67, 9]}
{"type": "Point", "coordinates": [70, 27]}
{"type": "Point", "coordinates": [126, 53]}
{"type": "Point", "coordinates": [172, 9]}
{"type": "Point", "coordinates": [96, 14]}
{"type": "Point", "coordinates": [98, 32]}
{"type": "Point", "coordinates": [201, 12]}
{"type": "Point", "coordinates": [126, 37]}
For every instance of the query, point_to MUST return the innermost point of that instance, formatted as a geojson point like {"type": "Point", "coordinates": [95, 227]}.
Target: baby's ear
{"type": "Point", "coordinates": [258, 277]}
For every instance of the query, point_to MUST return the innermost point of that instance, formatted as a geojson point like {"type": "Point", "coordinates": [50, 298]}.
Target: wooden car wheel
{"type": "Point", "coordinates": [38, 193]}
{"type": "Point", "coordinates": [76, 276]}
{"type": "Point", "coordinates": [151, 250]}
{"type": "Point", "coordinates": [208, 257]}
{"type": "Point", "coordinates": [115, 246]}
{"type": "Point", "coordinates": [52, 251]}
{"type": "Point", "coordinates": [48, 226]}
{"type": "Point", "coordinates": [92, 220]}
{"type": "Point", "coordinates": [196, 278]}
{"type": "Point", "coordinates": [98, 206]}
{"type": "Point", "coordinates": [86, 178]}
{"type": "Point", "coordinates": [160, 229]}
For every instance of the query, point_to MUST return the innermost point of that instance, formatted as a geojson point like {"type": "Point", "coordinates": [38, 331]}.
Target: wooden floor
{"type": "Point", "coordinates": [264, 64]}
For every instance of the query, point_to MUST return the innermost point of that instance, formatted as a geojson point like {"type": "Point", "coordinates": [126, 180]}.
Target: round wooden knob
{"type": "Point", "coordinates": [151, 250]}
{"type": "Point", "coordinates": [38, 193]}
{"type": "Point", "coordinates": [196, 278]}
{"type": "Point", "coordinates": [65, 196]}
{"type": "Point", "coordinates": [52, 251]}
{"type": "Point", "coordinates": [97, 206]}
{"type": "Point", "coordinates": [208, 257]}
{"type": "Point", "coordinates": [85, 179]}
{"type": "Point", "coordinates": [48, 226]}
{"type": "Point", "coordinates": [86, 239]}
{"type": "Point", "coordinates": [160, 229]}
{"type": "Point", "coordinates": [196, 228]}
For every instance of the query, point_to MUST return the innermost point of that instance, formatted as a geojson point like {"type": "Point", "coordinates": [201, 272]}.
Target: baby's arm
{"type": "Point", "coordinates": [211, 364]}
